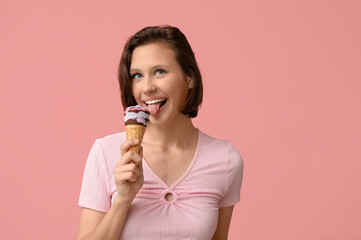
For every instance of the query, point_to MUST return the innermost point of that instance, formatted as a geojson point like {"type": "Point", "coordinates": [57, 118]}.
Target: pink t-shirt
{"type": "Point", "coordinates": [213, 180]}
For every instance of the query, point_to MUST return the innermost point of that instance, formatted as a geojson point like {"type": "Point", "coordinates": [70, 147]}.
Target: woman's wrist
{"type": "Point", "coordinates": [119, 202]}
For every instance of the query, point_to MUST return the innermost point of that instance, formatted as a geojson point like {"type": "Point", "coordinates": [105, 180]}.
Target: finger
{"type": "Point", "coordinates": [129, 168]}
{"type": "Point", "coordinates": [127, 144]}
{"type": "Point", "coordinates": [129, 157]}
{"type": "Point", "coordinates": [124, 177]}
{"type": "Point", "coordinates": [137, 159]}
{"type": "Point", "coordinates": [131, 177]}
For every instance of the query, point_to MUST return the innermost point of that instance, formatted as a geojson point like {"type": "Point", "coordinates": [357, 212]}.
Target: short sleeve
{"type": "Point", "coordinates": [95, 189]}
{"type": "Point", "coordinates": [234, 178]}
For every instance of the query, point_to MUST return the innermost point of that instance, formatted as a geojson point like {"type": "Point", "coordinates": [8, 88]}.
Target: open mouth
{"type": "Point", "coordinates": [155, 106]}
{"type": "Point", "coordinates": [161, 102]}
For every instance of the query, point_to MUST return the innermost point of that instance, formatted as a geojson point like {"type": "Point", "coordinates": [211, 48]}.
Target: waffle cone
{"type": "Point", "coordinates": [135, 132]}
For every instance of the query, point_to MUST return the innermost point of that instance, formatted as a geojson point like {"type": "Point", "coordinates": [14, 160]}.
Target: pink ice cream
{"type": "Point", "coordinates": [136, 115]}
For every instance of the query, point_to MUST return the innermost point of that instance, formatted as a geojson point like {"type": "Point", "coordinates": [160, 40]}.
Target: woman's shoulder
{"type": "Point", "coordinates": [215, 144]}
{"type": "Point", "coordinates": [113, 137]}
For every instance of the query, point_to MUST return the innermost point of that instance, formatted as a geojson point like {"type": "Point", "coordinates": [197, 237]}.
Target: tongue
{"type": "Point", "coordinates": [153, 108]}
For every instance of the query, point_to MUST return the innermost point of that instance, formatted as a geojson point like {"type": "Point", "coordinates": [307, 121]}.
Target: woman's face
{"type": "Point", "coordinates": [158, 82]}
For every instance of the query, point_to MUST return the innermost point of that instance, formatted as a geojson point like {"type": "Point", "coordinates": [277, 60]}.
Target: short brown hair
{"type": "Point", "coordinates": [184, 56]}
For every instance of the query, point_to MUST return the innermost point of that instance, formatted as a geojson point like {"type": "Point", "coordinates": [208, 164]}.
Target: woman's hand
{"type": "Point", "coordinates": [128, 173]}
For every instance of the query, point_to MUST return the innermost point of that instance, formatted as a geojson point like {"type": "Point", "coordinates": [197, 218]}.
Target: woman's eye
{"type": "Point", "coordinates": [159, 71]}
{"type": "Point", "coordinates": [136, 75]}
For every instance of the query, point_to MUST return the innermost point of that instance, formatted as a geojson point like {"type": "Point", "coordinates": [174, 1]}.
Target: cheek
{"type": "Point", "coordinates": [135, 90]}
{"type": "Point", "coordinates": [180, 94]}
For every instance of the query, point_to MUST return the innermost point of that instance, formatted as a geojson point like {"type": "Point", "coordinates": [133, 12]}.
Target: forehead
{"type": "Point", "coordinates": [152, 54]}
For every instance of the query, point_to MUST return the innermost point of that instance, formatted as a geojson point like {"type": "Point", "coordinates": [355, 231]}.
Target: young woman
{"type": "Point", "coordinates": [184, 183]}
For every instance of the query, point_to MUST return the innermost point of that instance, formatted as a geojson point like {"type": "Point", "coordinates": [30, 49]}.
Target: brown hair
{"type": "Point", "coordinates": [184, 56]}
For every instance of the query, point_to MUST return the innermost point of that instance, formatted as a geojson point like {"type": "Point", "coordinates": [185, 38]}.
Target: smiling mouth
{"type": "Point", "coordinates": [161, 101]}
{"type": "Point", "coordinates": [155, 106]}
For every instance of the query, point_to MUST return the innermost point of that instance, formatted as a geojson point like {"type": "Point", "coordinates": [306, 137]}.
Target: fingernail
{"type": "Point", "coordinates": [136, 141]}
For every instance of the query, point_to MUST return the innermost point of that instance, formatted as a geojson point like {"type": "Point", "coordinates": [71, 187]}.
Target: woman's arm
{"type": "Point", "coordinates": [99, 225]}
{"type": "Point", "coordinates": [128, 178]}
{"type": "Point", "coordinates": [224, 220]}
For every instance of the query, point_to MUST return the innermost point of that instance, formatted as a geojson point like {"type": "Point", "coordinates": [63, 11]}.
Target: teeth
{"type": "Point", "coordinates": [154, 101]}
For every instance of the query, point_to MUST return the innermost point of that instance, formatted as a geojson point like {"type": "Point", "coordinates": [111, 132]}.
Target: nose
{"type": "Point", "coordinates": [149, 86]}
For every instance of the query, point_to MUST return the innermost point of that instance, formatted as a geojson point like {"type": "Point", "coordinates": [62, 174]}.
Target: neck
{"type": "Point", "coordinates": [180, 133]}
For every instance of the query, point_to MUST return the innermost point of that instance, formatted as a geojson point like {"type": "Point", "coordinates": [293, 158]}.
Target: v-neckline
{"type": "Point", "coordinates": [160, 180]}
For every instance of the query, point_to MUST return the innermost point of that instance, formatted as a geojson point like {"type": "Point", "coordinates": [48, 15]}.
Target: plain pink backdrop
{"type": "Point", "coordinates": [285, 74]}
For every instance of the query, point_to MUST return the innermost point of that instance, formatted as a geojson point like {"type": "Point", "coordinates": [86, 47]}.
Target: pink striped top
{"type": "Point", "coordinates": [213, 180]}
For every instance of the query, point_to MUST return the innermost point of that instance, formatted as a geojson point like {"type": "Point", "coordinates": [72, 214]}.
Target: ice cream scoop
{"type": "Point", "coordinates": [135, 119]}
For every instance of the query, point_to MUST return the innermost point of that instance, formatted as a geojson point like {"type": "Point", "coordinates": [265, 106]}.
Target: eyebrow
{"type": "Point", "coordinates": [154, 67]}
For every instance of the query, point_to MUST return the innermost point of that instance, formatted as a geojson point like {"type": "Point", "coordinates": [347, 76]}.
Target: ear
{"type": "Point", "coordinates": [190, 82]}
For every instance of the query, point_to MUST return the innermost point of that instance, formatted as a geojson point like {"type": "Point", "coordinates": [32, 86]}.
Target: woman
{"type": "Point", "coordinates": [184, 183]}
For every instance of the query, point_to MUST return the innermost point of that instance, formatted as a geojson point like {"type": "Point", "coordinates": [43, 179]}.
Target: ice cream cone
{"type": "Point", "coordinates": [135, 119]}
{"type": "Point", "coordinates": [135, 132]}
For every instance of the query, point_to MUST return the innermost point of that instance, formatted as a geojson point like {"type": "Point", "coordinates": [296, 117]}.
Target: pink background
{"type": "Point", "coordinates": [285, 73]}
